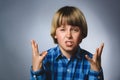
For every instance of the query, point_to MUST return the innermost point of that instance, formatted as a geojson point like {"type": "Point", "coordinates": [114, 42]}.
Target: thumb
{"type": "Point", "coordinates": [88, 58]}
{"type": "Point", "coordinates": [43, 54]}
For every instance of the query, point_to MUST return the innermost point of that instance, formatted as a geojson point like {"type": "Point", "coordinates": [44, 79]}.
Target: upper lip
{"type": "Point", "coordinates": [69, 41]}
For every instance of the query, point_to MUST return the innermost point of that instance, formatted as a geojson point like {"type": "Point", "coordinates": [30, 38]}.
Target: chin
{"type": "Point", "coordinates": [69, 48]}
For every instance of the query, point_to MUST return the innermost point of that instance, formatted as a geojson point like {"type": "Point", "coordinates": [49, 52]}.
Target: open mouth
{"type": "Point", "coordinates": [69, 43]}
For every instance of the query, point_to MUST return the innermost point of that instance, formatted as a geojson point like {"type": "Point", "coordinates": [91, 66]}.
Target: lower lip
{"type": "Point", "coordinates": [69, 44]}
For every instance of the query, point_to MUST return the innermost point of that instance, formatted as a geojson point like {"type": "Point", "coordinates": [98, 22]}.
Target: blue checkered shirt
{"type": "Point", "coordinates": [58, 67]}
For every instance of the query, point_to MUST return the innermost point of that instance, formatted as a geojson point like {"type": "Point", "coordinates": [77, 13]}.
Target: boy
{"type": "Point", "coordinates": [67, 61]}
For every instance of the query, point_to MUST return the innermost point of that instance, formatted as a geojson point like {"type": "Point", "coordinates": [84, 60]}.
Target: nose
{"type": "Point", "coordinates": [68, 34]}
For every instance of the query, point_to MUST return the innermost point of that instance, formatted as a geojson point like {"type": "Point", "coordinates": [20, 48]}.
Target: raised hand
{"type": "Point", "coordinates": [95, 62]}
{"type": "Point", "coordinates": [37, 57]}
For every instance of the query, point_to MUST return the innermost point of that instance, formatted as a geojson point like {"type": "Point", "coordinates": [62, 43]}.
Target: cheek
{"type": "Point", "coordinates": [59, 39]}
{"type": "Point", "coordinates": [78, 38]}
{"type": "Point", "coordinates": [58, 36]}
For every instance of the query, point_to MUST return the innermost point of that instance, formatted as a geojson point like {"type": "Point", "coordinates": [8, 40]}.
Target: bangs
{"type": "Point", "coordinates": [69, 18]}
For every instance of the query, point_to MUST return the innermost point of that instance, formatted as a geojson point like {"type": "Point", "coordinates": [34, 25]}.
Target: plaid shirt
{"type": "Point", "coordinates": [58, 67]}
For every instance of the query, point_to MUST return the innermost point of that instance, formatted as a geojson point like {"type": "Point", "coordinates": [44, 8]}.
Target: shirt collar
{"type": "Point", "coordinates": [78, 55]}
{"type": "Point", "coordinates": [58, 53]}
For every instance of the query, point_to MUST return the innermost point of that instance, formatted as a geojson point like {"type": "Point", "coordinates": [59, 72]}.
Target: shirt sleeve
{"type": "Point", "coordinates": [37, 75]}
{"type": "Point", "coordinates": [94, 75]}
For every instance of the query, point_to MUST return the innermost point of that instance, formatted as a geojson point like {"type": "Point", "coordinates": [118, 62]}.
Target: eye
{"type": "Point", "coordinates": [62, 29]}
{"type": "Point", "coordinates": [76, 29]}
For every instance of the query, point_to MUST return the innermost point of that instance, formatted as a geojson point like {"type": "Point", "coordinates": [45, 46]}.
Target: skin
{"type": "Point", "coordinates": [68, 37]}
{"type": "Point", "coordinates": [36, 57]}
{"type": "Point", "coordinates": [95, 62]}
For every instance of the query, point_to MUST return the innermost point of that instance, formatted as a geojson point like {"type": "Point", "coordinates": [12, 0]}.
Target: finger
{"type": "Point", "coordinates": [43, 54]}
{"type": "Point", "coordinates": [32, 44]}
{"type": "Point", "coordinates": [95, 56]}
{"type": "Point", "coordinates": [34, 47]}
{"type": "Point", "coordinates": [88, 58]}
{"type": "Point", "coordinates": [101, 49]}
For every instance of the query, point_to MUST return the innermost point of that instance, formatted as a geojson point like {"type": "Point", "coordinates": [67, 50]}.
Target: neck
{"type": "Point", "coordinates": [68, 54]}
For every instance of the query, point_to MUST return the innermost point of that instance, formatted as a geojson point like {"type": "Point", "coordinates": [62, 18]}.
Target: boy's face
{"type": "Point", "coordinates": [68, 37]}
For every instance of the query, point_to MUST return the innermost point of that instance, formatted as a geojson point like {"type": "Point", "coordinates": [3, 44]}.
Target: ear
{"type": "Point", "coordinates": [55, 37]}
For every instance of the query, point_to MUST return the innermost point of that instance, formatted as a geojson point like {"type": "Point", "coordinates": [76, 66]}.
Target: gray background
{"type": "Point", "coordinates": [24, 20]}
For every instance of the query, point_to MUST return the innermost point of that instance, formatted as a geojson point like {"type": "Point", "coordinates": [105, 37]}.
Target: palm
{"type": "Point", "coordinates": [95, 62]}
{"type": "Point", "coordinates": [37, 58]}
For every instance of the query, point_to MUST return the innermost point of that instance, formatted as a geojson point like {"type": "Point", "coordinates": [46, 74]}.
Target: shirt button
{"type": "Point", "coordinates": [34, 76]}
{"type": "Point", "coordinates": [68, 70]}
{"type": "Point", "coordinates": [98, 77]}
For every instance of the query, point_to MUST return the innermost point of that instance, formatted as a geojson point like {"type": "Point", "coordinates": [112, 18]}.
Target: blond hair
{"type": "Point", "coordinates": [71, 16]}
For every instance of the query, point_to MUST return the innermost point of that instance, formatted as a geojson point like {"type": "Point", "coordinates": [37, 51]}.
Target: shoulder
{"type": "Point", "coordinates": [85, 52]}
{"type": "Point", "coordinates": [52, 52]}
